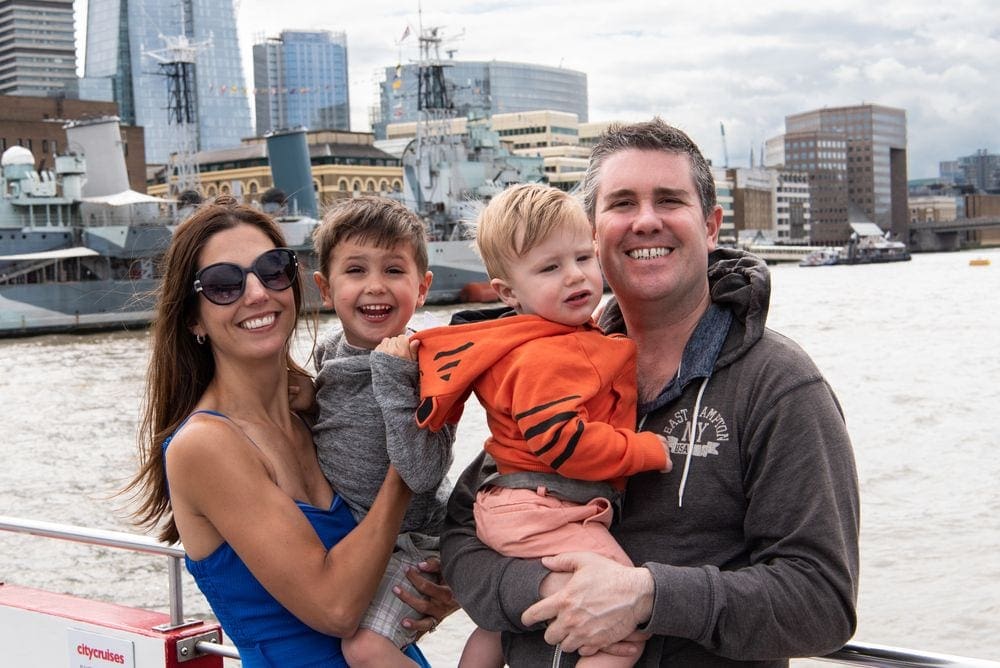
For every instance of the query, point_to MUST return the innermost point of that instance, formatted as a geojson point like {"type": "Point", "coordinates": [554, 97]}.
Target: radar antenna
{"type": "Point", "coordinates": [177, 65]}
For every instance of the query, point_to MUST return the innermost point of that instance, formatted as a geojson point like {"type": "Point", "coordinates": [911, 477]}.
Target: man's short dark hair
{"type": "Point", "coordinates": [654, 135]}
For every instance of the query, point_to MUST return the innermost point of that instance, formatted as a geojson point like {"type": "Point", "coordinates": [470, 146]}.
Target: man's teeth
{"type": "Point", "coordinates": [257, 323]}
{"type": "Point", "coordinates": [648, 253]}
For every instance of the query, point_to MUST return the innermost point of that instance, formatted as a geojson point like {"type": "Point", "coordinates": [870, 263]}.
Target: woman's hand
{"type": "Point", "coordinates": [435, 602]}
{"type": "Point", "coordinates": [301, 393]}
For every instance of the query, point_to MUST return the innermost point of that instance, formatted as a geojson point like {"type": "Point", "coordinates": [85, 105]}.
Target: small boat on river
{"type": "Point", "coordinates": [868, 244]}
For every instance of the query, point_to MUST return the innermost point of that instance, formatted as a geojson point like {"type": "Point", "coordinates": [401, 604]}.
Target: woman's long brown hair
{"type": "Point", "coordinates": [179, 368]}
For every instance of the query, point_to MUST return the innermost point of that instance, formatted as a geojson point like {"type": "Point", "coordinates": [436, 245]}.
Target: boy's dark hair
{"type": "Point", "coordinates": [376, 220]}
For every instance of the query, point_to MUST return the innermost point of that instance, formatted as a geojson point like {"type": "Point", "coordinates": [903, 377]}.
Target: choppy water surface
{"type": "Point", "coordinates": [912, 349]}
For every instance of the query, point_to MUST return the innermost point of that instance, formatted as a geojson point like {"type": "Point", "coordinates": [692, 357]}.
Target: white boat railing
{"type": "Point", "coordinates": [124, 541]}
{"type": "Point", "coordinates": [854, 653]}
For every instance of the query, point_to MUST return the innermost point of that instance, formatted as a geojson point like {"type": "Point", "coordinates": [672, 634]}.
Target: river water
{"type": "Point", "coordinates": [912, 350]}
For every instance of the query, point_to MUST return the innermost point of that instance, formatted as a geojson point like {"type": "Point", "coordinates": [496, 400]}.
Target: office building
{"type": "Point", "coordinates": [823, 156]}
{"type": "Point", "coordinates": [724, 187]}
{"type": "Point", "coordinates": [38, 124]}
{"type": "Point", "coordinates": [300, 80]}
{"type": "Point", "coordinates": [126, 46]}
{"type": "Point", "coordinates": [753, 193]}
{"type": "Point", "coordinates": [933, 208]}
{"type": "Point", "coordinates": [949, 172]}
{"type": "Point", "coordinates": [37, 48]}
{"type": "Point", "coordinates": [792, 207]}
{"type": "Point", "coordinates": [483, 88]}
{"type": "Point", "coordinates": [856, 161]}
{"type": "Point", "coordinates": [981, 170]}
{"type": "Point", "coordinates": [344, 164]}
{"type": "Point", "coordinates": [591, 133]}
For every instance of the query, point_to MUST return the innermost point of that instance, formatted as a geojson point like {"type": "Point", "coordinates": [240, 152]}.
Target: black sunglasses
{"type": "Point", "coordinates": [224, 282]}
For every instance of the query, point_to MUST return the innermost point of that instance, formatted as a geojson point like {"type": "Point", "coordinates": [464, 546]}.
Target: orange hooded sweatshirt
{"type": "Point", "coordinates": [558, 399]}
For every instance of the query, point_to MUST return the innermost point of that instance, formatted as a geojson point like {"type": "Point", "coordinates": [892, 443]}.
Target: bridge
{"type": "Point", "coordinates": [954, 234]}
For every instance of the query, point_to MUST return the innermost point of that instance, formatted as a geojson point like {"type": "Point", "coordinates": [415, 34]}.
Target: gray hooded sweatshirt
{"type": "Point", "coordinates": [754, 548]}
{"type": "Point", "coordinates": [367, 403]}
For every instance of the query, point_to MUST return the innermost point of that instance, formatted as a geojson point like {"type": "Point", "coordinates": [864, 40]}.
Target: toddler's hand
{"type": "Point", "coordinates": [400, 346]}
{"type": "Point", "coordinates": [666, 449]}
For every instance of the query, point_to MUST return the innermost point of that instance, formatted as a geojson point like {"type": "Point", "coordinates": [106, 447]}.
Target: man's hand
{"type": "Point", "coordinates": [436, 601]}
{"type": "Point", "coordinates": [602, 603]}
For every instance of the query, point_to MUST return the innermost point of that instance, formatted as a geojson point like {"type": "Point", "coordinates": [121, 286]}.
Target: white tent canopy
{"type": "Point", "coordinates": [125, 197]}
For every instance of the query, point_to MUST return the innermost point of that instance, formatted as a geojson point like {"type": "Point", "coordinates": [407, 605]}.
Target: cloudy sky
{"type": "Point", "coordinates": [699, 63]}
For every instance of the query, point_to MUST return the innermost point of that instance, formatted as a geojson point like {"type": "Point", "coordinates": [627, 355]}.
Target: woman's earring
{"type": "Point", "coordinates": [200, 338]}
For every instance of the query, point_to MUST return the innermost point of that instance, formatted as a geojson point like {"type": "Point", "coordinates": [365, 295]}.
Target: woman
{"type": "Point", "coordinates": [275, 551]}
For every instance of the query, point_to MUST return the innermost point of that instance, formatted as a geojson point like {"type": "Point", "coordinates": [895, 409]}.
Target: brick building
{"type": "Point", "coordinates": [36, 123]}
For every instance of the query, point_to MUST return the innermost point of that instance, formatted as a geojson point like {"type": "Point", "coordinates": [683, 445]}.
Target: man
{"type": "Point", "coordinates": [747, 552]}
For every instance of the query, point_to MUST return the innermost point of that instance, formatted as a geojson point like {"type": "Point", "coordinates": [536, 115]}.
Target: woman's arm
{"type": "Point", "coordinates": [223, 490]}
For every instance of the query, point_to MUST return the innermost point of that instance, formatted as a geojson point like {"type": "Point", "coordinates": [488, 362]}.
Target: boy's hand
{"type": "Point", "coordinates": [400, 346]}
{"type": "Point", "coordinates": [301, 393]}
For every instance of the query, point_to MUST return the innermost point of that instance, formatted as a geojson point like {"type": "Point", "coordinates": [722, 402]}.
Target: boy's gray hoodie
{"type": "Point", "coordinates": [367, 403]}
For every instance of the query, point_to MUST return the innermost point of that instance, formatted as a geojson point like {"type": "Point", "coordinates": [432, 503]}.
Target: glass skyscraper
{"type": "Point", "coordinates": [300, 80]}
{"type": "Point", "coordinates": [122, 38]}
{"type": "Point", "coordinates": [489, 87]}
{"type": "Point", "coordinates": [37, 51]}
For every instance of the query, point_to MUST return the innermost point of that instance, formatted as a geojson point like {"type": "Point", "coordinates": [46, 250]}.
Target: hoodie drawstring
{"type": "Point", "coordinates": [694, 429]}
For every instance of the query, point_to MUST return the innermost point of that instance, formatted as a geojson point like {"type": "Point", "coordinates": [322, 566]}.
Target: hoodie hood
{"type": "Point", "coordinates": [740, 281]}
{"type": "Point", "coordinates": [453, 357]}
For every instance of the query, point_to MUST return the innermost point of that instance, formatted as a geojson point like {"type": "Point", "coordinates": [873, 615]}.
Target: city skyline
{"type": "Point", "coordinates": [697, 66]}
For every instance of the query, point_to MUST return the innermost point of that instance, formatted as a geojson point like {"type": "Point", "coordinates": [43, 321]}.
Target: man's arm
{"type": "Point", "coordinates": [494, 590]}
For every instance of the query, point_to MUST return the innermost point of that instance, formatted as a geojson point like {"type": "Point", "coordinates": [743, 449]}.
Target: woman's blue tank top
{"type": "Point", "coordinates": [265, 632]}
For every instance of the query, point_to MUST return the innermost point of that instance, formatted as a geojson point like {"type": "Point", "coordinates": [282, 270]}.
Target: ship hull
{"type": "Point", "coordinates": [93, 305]}
{"type": "Point", "coordinates": [455, 266]}
{"type": "Point", "coordinates": [75, 306]}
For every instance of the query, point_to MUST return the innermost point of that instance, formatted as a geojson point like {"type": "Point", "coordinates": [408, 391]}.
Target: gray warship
{"type": "Point", "coordinates": [77, 256]}
{"type": "Point", "coordinates": [449, 175]}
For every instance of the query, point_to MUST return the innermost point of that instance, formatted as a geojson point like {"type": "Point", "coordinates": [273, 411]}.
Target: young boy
{"type": "Point", "coordinates": [559, 395]}
{"type": "Point", "coordinates": [373, 273]}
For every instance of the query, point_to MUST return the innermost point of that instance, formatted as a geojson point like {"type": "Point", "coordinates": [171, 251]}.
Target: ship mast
{"type": "Point", "coordinates": [177, 64]}
{"type": "Point", "coordinates": [435, 108]}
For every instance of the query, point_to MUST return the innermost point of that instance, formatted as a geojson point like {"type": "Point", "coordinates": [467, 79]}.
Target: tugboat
{"type": "Point", "coordinates": [869, 244]}
{"type": "Point", "coordinates": [866, 245]}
